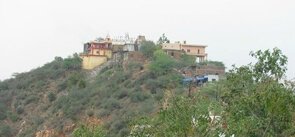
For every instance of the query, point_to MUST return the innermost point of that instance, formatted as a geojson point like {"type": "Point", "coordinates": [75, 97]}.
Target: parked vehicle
{"type": "Point", "coordinates": [197, 80]}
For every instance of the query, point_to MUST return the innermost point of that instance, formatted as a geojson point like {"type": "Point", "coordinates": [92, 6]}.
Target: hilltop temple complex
{"type": "Point", "coordinates": [101, 50]}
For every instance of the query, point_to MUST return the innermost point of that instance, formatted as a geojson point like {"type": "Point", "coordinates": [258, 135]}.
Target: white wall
{"type": "Point", "coordinates": [213, 78]}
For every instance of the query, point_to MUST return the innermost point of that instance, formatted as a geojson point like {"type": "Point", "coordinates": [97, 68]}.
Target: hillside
{"type": "Point", "coordinates": [59, 97]}
{"type": "Point", "coordinates": [145, 95]}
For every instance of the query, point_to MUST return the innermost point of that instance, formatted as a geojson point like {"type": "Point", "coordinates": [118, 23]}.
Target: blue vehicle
{"type": "Point", "coordinates": [197, 80]}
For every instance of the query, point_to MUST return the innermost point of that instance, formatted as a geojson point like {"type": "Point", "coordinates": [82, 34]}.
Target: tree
{"type": "Point", "coordinates": [186, 60]}
{"type": "Point", "coordinates": [256, 104]}
{"type": "Point", "coordinates": [163, 39]}
{"type": "Point", "coordinates": [148, 48]}
{"type": "Point", "coordinates": [269, 64]}
{"type": "Point", "coordinates": [162, 63]}
{"type": "Point", "coordinates": [73, 63]}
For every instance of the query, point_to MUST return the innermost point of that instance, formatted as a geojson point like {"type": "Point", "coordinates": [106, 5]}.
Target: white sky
{"type": "Point", "coordinates": [33, 32]}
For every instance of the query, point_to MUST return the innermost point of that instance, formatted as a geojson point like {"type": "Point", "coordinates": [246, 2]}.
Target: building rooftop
{"type": "Point", "coordinates": [181, 44]}
{"type": "Point", "coordinates": [194, 45]}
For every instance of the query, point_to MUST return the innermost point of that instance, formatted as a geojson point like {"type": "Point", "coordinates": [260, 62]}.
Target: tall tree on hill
{"type": "Point", "coordinates": [163, 39]}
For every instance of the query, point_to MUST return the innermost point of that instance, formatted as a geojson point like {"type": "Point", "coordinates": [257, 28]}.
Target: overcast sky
{"type": "Point", "coordinates": [33, 32]}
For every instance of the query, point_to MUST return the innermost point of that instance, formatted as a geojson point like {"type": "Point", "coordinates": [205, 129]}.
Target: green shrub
{"type": "Point", "coordinates": [169, 81]}
{"type": "Point", "coordinates": [62, 86]}
{"type": "Point", "coordinates": [105, 92]}
{"type": "Point", "coordinates": [138, 97]}
{"type": "Point", "coordinates": [111, 104]}
{"type": "Point", "coordinates": [180, 91]}
{"type": "Point", "coordinates": [31, 99]}
{"type": "Point", "coordinates": [19, 110]}
{"type": "Point", "coordinates": [134, 66]}
{"type": "Point", "coordinates": [159, 94]}
{"type": "Point", "coordinates": [72, 63]}
{"type": "Point", "coordinates": [2, 116]}
{"type": "Point", "coordinates": [40, 84]}
{"type": "Point", "coordinates": [44, 107]}
{"type": "Point", "coordinates": [5, 131]}
{"type": "Point", "coordinates": [104, 113]}
{"type": "Point", "coordinates": [82, 84]}
{"type": "Point", "coordinates": [63, 101]}
{"type": "Point", "coordinates": [162, 63]}
{"type": "Point", "coordinates": [90, 113]}
{"type": "Point", "coordinates": [84, 131]}
{"type": "Point", "coordinates": [142, 78]}
{"type": "Point", "coordinates": [152, 84]}
{"type": "Point", "coordinates": [4, 86]}
{"type": "Point", "coordinates": [186, 61]}
{"type": "Point", "coordinates": [147, 106]}
{"type": "Point", "coordinates": [3, 112]}
{"type": "Point", "coordinates": [6, 96]}
{"type": "Point", "coordinates": [28, 132]}
{"type": "Point", "coordinates": [37, 120]}
{"type": "Point", "coordinates": [128, 84]}
{"type": "Point", "coordinates": [72, 110]}
{"type": "Point", "coordinates": [148, 48]}
{"type": "Point", "coordinates": [71, 105]}
{"type": "Point", "coordinates": [21, 96]}
{"type": "Point", "coordinates": [105, 69]}
{"type": "Point", "coordinates": [12, 116]}
{"type": "Point", "coordinates": [76, 79]}
{"type": "Point", "coordinates": [214, 63]}
{"type": "Point", "coordinates": [121, 93]}
{"type": "Point", "coordinates": [120, 77]}
{"type": "Point", "coordinates": [124, 132]}
{"type": "Point", "coordinates": [51, 96]}
{"type": "Point", "coordinates": [118, 125]}
{"type": "Point", "coordinates": [137, 88]}
{"type": "Point", "coordinates": [77, 95]}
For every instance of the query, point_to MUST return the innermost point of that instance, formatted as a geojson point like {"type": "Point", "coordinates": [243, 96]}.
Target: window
{"type": "Point", "coordinates": [172, 54]}
{"type": "Point", "coordinates": [198, 51]}
{"type": "Point", "coordinates": [188, 50]}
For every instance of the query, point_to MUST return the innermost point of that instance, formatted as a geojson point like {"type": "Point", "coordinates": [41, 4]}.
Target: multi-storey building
{"type": "Point", "coordinates": [176, 49]}
{"type": "Point", "coordinates": [96, 53]}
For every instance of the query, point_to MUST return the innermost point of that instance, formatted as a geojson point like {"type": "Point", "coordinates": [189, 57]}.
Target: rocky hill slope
{"type": "Point", "coordinates": [59, 98]}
